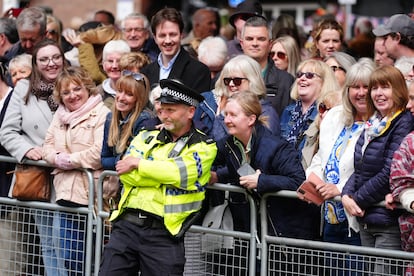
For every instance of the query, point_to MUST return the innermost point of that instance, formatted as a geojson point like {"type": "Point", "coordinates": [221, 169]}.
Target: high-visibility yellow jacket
{"type": "Point", "coordinates": [169, 187]}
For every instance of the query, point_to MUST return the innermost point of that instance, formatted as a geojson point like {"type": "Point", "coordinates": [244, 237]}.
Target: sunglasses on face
{"type": "Point", "coordinates": [236, 81]}
{"type": "Point", "coordinates": [137, 76]}
{"type": "Point", "coordinates": [308, 75]}
{"type": "Point", "coordinates": [336, 68]}
{"type": "Point", "coordinates": [280, 55]}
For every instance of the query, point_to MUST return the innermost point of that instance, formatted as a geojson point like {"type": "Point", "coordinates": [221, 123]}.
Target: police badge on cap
{"type": "Point", "coordinates": [174, 91]}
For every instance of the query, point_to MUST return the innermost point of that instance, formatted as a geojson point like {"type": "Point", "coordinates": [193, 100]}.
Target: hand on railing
{"type": "Point", "coordinates": [34, 153]}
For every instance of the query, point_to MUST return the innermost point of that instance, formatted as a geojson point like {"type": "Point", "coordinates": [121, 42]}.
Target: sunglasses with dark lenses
{"type": "Point", "coordinates": [136, 76]}
{"type": "Point", "coordinates": [336, 68]}
{"type": "Point", "coordinates": [308, 75]}
{"type": "Point", "coordinates": [322, 108]}
{"type": "Point", "coordinates": [236, 81]}
{"type": "Point", "coordinates": [280, 55]}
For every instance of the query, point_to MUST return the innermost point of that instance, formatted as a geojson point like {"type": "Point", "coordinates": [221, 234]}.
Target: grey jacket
{"type": "Point", "coordinates": [24, 126]}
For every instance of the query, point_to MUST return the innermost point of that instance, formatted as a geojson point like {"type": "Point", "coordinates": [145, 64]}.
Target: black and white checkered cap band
{"type": "Point", "coordinates": [177, 94]}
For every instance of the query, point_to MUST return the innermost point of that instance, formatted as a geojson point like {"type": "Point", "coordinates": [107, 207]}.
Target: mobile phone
{"type": "Point", "coordinates": [246, 169]}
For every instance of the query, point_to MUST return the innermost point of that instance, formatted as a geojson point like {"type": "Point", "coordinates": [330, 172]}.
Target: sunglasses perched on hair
{"type": "Point", "coordinates": [336, 68]}
{"type": "Point", "coordinates": [322, 108]}
{"type": "Point", "coordinates": [280, 55]}
{"type": "Point", "coordinates": [136, 76]}
{"type": "Point", "coordinates": [236, 81]}
{"type": "Point", "coordinates": [308, 75]}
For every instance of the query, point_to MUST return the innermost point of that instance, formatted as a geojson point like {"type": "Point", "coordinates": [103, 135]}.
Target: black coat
{"type": "Point", "coordinates": [191, 72]}
{"type": "Point", "coordinates": [278, 85]}
{"type": "Point", "coordinates": [280, 169]}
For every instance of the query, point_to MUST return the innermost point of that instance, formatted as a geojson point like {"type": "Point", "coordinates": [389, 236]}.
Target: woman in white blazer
{"type": "Point", "coordinates": [334, 163]}
{"type": "Point", "coordinates": [26, 121]}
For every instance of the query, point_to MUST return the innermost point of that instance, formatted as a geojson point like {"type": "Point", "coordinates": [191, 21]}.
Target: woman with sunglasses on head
{"type": "Point", "coordinates": [314, 78]}
{"type": "Point", "coordinates": [26, 121]}
{"type": "Point", "coordinates": [285, 53]}
{"type": "Point", "coordinates": [334, 160]}
{"type": "Point", "coordinates": [128, 116]}
{"type": "Point", "coordinates": [73, 141]}
{"type": "Point", "coordinates": [340, 63]}
{"type": "Point", "coordinates": [241, 73]}
{"type": "Point", "coordinates": [388, 123]}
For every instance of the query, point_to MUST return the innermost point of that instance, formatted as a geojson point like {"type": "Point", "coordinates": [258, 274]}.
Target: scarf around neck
{"type": "Point", "coordinates": [66, 116]}
{"type": "Point", "coordinates": [45, 92]}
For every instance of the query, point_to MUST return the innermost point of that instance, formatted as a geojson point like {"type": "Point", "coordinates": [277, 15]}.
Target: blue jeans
{"type": "Point", "coordinates": [48, 232]}
{"type": "Point", "coordinates": [385, 237]}
{"type": "Point", "coordinates": [347, 265]}
{"type": "Point", "coordinates": [72, 242]}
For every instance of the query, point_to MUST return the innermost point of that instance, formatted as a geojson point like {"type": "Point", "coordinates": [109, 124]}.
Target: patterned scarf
{"type": "Point", "coordinates": [300, 122]}
{"type": "Point", "coordinates": [376, 126]}
{"type": "Point", "coordinates": [45, 92]}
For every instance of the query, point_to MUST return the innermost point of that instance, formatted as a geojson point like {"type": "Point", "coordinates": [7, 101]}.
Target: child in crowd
{"type": "Point", "coordinates": [133, 61]}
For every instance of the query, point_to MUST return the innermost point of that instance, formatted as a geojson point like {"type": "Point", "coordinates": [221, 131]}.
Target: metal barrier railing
{"type": "Point", "coordinates": [267, 239]}
{"type": "Point", "coordinates": [251, 237]}
{"type": "Point", "coordinates": [264, 247]}
{"type": "Point", "coordinates": [88, 211]}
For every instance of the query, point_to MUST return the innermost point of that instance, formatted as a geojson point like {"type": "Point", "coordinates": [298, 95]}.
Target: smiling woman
{"type": "Point", "coordinates": [74, 141]}
{"type": "Point", "coordinates": [26, 121]}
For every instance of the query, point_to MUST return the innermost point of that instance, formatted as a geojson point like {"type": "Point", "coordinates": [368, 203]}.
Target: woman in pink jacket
{"type": "Point", "coordinates": [74, 141]}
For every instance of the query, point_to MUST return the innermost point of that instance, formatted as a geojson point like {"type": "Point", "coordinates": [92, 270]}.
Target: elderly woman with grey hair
{"type": "Point", "coordinates": [212, 51]}
{"type": "Point", "coordinates": [340, 63]}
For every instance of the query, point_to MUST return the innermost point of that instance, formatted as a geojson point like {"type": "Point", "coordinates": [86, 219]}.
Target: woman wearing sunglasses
{"type": "Point", "coordinates": [340, 63]}
{"type": "Point", "coordinates": [242, 73]}
{"type": "Point", "coordinates": [313, 78]}
{"type": "Point", "coordinates": [129, 115]}
{"type": "Point", "coordinates": [285, 53]}
{"type": "Point", "coordinates": [334, 161]}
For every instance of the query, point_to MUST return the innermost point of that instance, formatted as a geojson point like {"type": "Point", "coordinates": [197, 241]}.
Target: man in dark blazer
{"type": "Point", "coordinates": [174, 62]}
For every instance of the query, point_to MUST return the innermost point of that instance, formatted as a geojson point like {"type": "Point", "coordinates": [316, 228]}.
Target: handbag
{"type": "Point", "coordinates": [218, 217]}
{"type": "Point", "coordinates": [31, 183]}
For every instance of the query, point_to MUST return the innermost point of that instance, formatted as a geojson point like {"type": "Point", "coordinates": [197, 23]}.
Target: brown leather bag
{"type": "Point", "coordinates": [32, 183]}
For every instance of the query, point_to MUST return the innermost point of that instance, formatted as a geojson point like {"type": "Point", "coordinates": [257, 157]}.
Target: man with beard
{"type": "Point", "coordinates": [157, 207]}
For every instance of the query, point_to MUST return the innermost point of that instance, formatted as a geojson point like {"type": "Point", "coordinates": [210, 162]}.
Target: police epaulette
{"type": "Point", "coordinates": [149, 139]}
{"type": "Point", "coordinates": [210, 141]}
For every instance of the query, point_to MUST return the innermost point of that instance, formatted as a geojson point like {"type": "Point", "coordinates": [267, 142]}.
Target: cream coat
{"type": "Point", "coordinates": [331, 127]}
{"type": "Point", "coordinates": [82, 138]}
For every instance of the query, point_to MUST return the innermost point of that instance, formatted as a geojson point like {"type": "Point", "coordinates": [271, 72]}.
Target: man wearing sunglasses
{"type": "Point", "coordinates": [255, 42]}
{"type": "Point", "coordinates": [174, 62]}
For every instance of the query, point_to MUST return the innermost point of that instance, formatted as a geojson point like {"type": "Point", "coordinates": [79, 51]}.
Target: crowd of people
{"type": "Point", "coordinates": [172, 112]}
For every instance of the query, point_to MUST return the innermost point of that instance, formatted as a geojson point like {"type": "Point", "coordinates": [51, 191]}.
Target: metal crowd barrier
{"type": "Point", "coordinates": [239, 259]}
{"type": "Point", "coordinates": [286, 256]}
{"type": "Point", "coordinates": [20, 249]}
{"type": "Point", "coordinates": [246, 255]}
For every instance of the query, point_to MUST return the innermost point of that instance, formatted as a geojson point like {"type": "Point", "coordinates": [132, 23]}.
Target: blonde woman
{"type": "Point", "coordinates": [285, 53]}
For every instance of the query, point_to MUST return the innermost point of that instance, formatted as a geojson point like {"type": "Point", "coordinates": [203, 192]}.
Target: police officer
{"type": "Point", "coordinates": [164, 173]}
